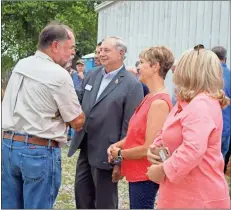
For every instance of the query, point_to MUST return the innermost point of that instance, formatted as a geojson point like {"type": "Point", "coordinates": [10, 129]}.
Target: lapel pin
{"type": "Point", "coordinates": [116, 81]}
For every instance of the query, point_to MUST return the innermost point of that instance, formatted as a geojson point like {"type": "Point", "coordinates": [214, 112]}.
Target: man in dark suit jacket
{"type": "Point", "coordinates": [109, 98]}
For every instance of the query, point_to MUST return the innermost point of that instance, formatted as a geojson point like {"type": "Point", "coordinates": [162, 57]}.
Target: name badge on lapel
{"type": "Point", "coordinates": [88, 87]}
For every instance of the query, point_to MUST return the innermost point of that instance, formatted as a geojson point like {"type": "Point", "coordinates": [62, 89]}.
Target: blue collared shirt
{"type": "Point", "coordinates": [77, 80]}
{"type": "Point", "coordinates": [173, 99]}
{"type": "Point", "coordinates": [107, 78]}
{"type": "Point", "coordinates": [227, 111]}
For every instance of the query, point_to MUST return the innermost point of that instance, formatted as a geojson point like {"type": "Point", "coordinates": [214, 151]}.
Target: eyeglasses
{"type": "Point", "coordinates": [199, 47]}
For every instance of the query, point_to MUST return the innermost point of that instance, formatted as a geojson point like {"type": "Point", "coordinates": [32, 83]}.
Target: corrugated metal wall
{"type": "Point", "coordinates": [180, 25]}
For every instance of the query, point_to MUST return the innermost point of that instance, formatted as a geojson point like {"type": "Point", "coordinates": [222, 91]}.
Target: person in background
{"type": "Point", "coordinates": [192, 175]}
{"type": "Point", "coordinates": [110, 97]}
{"type": "Point", "coordinates": [227, 158]}
{"type": "Point", "coordinates": [80, 68]}
{"type": "Point", "coordinates": [75, 79]}
{"type": "Point", "coordinates": [2, 93]}
{"type": "Point", "coordinates": [199, 47]}
{"type": "Point", "coordinates": [134, 71]}
{"type": "Point", "coordinates": [97, 55]}
{"type": "Point", "coordinates": [221, 53]}
{"type": "Point", "coordinates": [73, 73]}
{"type": "Point", "coordinates": [145, 87]}
{"type": "Point", "coordinates": [144, 125]}
{"type": "Point", "coordinates": [173, 69]}
{"type": "Point", "coordinates": [35, 111]}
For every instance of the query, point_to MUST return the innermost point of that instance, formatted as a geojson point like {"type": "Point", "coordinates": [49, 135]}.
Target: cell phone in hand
{"type": "Point", "coordinates": [163, 153]}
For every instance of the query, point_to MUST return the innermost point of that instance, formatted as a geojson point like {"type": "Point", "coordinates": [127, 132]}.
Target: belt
{"type": "Point", "coordinates": [32, 140]}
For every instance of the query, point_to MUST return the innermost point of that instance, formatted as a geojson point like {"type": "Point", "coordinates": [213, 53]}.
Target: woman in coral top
{"type": "Point", "coordinates": [145, 123]}
{"type": "Point", "coordinates": [192, 176]}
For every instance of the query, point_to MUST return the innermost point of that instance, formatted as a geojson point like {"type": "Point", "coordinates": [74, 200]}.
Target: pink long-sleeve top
{"type": "Point", "coordinates": [194, 171]}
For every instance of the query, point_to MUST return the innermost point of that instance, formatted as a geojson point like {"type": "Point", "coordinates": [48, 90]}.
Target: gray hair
{"type": "Point", "coordinates": [119, 44]}
{"type": "Point", "coordinates": [53, 31]}
{"type": "Point", "coordinates": [220, 51]}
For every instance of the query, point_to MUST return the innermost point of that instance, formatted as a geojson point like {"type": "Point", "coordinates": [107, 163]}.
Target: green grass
{"type": "Point", "coordinates": [66, 198]}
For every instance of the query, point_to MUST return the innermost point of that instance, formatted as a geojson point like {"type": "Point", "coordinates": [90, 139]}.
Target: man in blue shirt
{"type": "Point", "coordinates": [74, 75]}
{"type": "Point", "coordinates": [222, 55]}
{"type": "Point", "coordinates": [174, 97]}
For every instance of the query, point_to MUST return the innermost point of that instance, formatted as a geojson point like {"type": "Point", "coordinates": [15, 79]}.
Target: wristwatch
{"type": "Point", "coordinates": [119, 156]}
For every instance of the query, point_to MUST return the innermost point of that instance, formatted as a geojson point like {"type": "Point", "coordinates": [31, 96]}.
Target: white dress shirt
{"type": "Point", "coordinates": [107, 78]}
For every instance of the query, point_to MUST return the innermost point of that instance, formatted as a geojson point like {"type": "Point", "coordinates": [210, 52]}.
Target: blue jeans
{"type": "Point", "coordinates": [225, 145]}
{"type": "Point", "coordinates": [142, 194]}
{"type": "Point", "coordinates": [31, 175]}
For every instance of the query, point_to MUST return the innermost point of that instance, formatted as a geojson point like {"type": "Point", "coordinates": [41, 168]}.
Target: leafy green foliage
{"type": "Point", "coordinates": [22, 21]}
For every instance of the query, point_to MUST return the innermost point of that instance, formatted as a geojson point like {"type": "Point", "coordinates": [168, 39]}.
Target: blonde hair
{"type": "Point", "coordinates": [162, 55]}
{"type": "Point", "coordinates": [197, 72]}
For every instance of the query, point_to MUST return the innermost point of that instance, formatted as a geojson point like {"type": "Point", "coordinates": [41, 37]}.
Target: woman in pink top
{"type": "Point", "coordinates": [143, 126]}
{"type": "Point", "coordinates": [192, 176]}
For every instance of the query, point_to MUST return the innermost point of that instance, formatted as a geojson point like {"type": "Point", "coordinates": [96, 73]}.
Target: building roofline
{"type": "Point", "coordinates": [104, 5]}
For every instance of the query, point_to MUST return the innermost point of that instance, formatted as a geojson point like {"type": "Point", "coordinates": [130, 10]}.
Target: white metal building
{"type": "Point", "coordinates": [180, 25]}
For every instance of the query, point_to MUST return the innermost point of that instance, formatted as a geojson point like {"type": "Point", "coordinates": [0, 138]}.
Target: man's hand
{"type": "Point", "coordinates": [152, 156]}
{"type": "Point", "coordinates": [156, 173]}
{"type": "Point", "coordinates": [116, 174]}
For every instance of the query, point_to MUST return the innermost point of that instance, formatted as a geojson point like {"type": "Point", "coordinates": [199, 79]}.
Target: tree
{"type": "Point", "coordinates": [23, 20]}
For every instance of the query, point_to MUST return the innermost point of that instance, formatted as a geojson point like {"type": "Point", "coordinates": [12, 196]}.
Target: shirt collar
{"type": "Point", "coordinates": [43, 55]}
{"type": "Point", "coordinates": [111, 74]}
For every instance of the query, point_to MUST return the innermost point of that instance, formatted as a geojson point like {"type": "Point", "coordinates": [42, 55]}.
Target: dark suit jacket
{"type": "Point", "coordinates": [107, 118]}
{"type": "Point", "coordinates": [145, 89]}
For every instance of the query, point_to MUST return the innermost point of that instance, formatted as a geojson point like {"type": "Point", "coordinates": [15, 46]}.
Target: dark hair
{"type": "Point", "coordinates": [99, 44]}
{"type": "Point", "coordinates": [199, 47]}
{"type": "Point", "coordinates": [53, 31]}
{"type": "Point", "coordinates": [137, 64]}
{"type": "Point", "coordinates": [220, 51]}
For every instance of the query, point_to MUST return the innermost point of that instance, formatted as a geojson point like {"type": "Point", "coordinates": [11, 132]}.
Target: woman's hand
{"type": "Point", "coordinates": [114, 152]}
{"type": "Point", "coordinates": [156, 173]}
{"type": "Point", "coordinates": [116, 174]}
{"type": "Point", "coordinates": [152, 156]}
{"type": "Point", "coordinates": [109, 153]}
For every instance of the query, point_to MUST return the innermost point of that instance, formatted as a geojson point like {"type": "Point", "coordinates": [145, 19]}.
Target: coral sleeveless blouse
{"type": "Point", "coordinates": [135, 170]}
